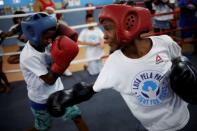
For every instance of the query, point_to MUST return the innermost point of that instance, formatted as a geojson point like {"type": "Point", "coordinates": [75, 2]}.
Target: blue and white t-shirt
{"type": "Point", "coordinates": [144, 85]}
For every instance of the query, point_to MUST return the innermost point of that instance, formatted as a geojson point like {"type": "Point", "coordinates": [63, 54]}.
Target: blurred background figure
{"type": "Point", "coordinates": [188, 19]}
{"type": "Point", "coordinates": [4, 84]}
{"type": "Point", "coordinates": [50, 10]}
{"type": "Point", "coordinates": [21, 40]}
{"type": "Point", "coordinates": [89, 12]}
{"type": "Point", "coordinates": [148, 4]}
{"type": "Point", "coordinates": [41, 5]}
{"type": "Point", "coordinates": [92, 37]}
{"type": "Point", "coordinates": [64, 4]}
{"type": "Point", "coordinates": [162, 23]}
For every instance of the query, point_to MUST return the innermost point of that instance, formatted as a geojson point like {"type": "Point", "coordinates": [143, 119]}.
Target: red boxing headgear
{"type": "Point", "coordinates": [130, 21]}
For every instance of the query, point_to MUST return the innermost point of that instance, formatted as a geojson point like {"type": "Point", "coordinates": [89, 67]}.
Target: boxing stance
{"type": "Point", "coordinates": [44, 58]}
{"type": "Point", "coordinates": [138, 68]}
{"type": "Point", "coordinates": [183, 79]}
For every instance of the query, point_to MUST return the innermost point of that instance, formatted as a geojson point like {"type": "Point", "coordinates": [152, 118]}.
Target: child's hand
{"type": "Point", "coordinates": [63, 51]}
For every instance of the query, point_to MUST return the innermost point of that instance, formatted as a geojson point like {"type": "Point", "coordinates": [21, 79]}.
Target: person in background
{"type": "Point", "coordinates": [148, 4]}
{"type": "Point", "coordinates": [91, 11]}
{"type": "Point", "coordinates": [162, 22]}
{"type": "Point", "coordinates": [4, 84]}
{"type": "Point", "coordinates": [65, 4]}
{"type": "Point", "coordinates": [21, 40]}
{"type": "Point", "coordinates": [92, 37]}
{"type": "Point", "coordinates": [41, 5]}
{"type": "Point", "coordinates": [43, 60]}
{"type": "Point", "coordinates": [51, 11]}
{"type": "Point", "coordinates": [188, 19]}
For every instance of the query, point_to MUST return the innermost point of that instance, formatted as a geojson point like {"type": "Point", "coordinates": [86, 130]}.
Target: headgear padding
{"type": "Point", "coordinates": [34, 25]}
{"type": "Point", "coordinates": [130, 21]}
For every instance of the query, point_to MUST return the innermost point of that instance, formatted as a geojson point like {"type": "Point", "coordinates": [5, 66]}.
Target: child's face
{"type": "Point", "coordinates": [90, 20]}
{"type": "Point", "coordinates": [48, 37]}
{"type": "Point", "coordinates": [110, 34]}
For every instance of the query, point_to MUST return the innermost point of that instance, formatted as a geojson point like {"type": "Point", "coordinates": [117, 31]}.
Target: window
{"type": "Point", "coordinates": [1, 2]}
{"type": "Point", "coordinates": [16, 1]}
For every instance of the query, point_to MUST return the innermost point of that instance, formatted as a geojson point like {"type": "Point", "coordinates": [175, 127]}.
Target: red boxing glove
{"type": "Point", "coordinates": [67, 31]}
{"type": "Point", "coordinates": [63, 51]}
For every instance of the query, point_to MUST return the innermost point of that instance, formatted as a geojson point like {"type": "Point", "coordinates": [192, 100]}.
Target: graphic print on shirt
{"type": "Point", "coordinates": [150, 88]}
{"type": "Point", "coordinates": [158, 59]}
{"type": "Point", "coordinates": [92, 38]}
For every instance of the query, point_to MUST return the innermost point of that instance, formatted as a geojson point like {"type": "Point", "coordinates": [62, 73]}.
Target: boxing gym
{"type": "Point", "coordinates": [98, 65]}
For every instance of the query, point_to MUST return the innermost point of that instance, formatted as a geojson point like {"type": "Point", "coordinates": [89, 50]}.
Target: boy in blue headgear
{"type": "Point", "coordinates": [42, 66]}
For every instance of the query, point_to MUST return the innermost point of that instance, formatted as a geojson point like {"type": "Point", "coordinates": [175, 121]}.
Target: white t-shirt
{"type": "Point", "coordinates": [93, 52]}
{"type": "Point", "coordinates": [144, 85]}
{"type": "Point", "coordinates": [34, 64]}
{"type": "Point", "coordinates": [95, 36]}
{"type": "Point", "coordinates": [162, 9]}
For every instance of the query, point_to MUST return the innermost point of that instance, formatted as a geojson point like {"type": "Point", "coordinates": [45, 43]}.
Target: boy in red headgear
{"type": "Point", "coordinates": [139, 68]}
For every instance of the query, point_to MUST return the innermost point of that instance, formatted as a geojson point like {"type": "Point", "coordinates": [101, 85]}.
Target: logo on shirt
{"type": "Point", "coordinates": [150, 88]}
{"type": "Point", "coordinates": [92, 38]}
{"type": "Point", "coordinates": [158, 59]}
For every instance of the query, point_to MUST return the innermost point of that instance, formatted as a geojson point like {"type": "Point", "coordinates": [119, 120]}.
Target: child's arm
{"type": "Point", "coordinates": [88, 43]}
{"type": "Point", "coordinates": [59, 100]}
{"type": "Point", "coordinates": [12, 31]}
{"type": "Point", "coordinates": [63, 51]}
{"type": "Point", "coordinates": [49, 78]}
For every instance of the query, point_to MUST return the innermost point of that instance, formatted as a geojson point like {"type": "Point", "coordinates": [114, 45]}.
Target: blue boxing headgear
{"type": "Point", "coordinates": [34, 25]}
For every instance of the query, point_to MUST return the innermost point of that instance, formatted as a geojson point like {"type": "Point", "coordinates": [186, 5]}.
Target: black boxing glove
{"type": "Point", "coordinates": [58, 101]}
{"type": "Point", "coordinates": [183, 79]}
{"type": "Point", "coordinates": [55, 103]}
